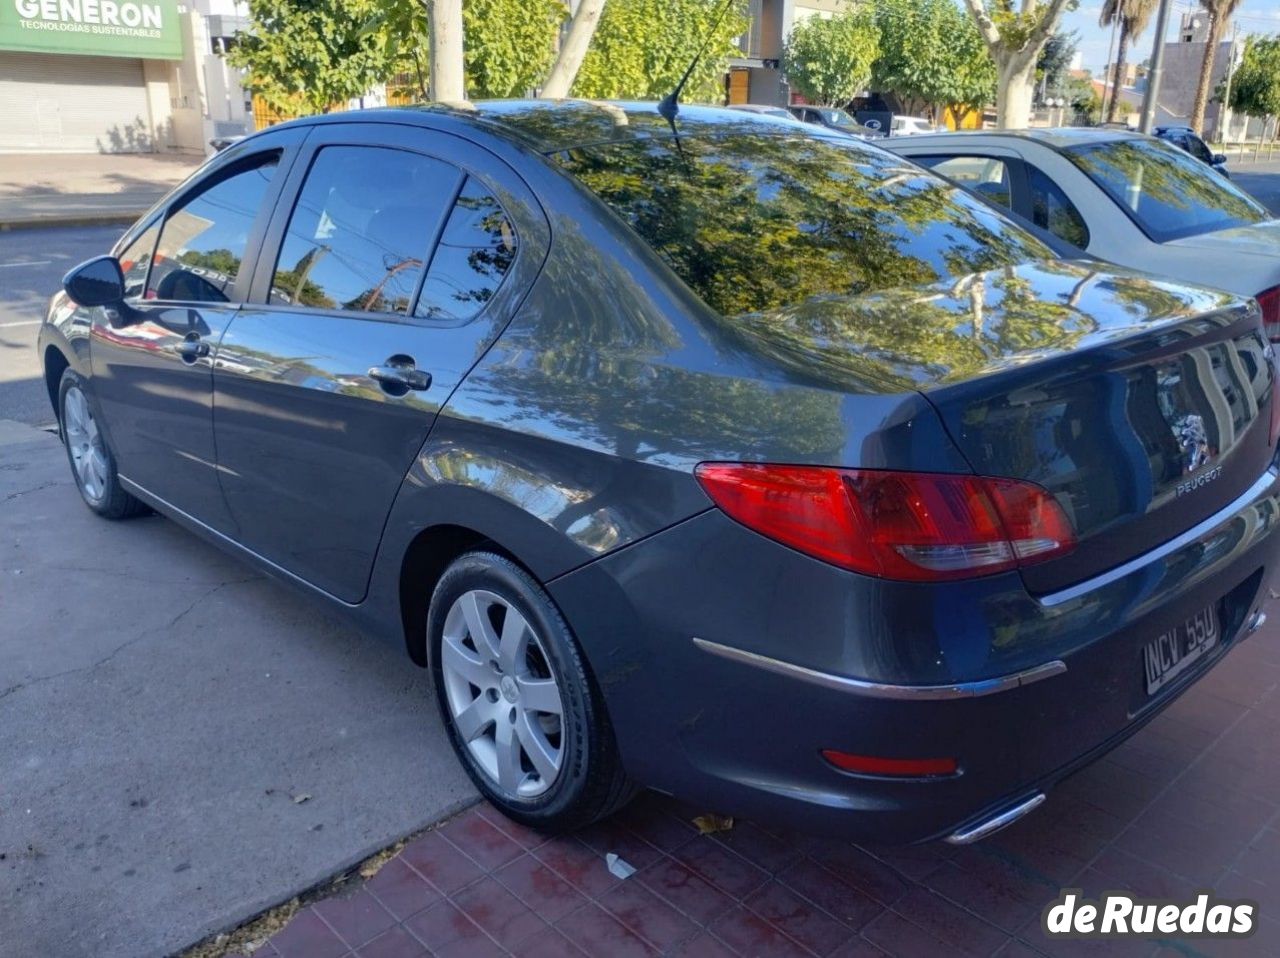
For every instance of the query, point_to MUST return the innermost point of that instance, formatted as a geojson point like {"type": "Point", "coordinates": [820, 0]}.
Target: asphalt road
{"type": "Point", "coordinates": [31, 266]}
{"type": "Point", "coordinates": [183, 742]}
{"type": "Point", "coordinates": [1261, 180]}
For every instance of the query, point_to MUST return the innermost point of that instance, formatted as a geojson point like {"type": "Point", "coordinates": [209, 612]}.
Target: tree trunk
{"type": "Point", "coordinates": [1206, 73]}
{"type": "Point", "coordinates": [1117, 83]}
{"type": "Point", "coordinates": [1015, 90]}
{"type": "Point", "coordinates": [446, 66]}
{"type": "Point", "coordinates": [581, 29]}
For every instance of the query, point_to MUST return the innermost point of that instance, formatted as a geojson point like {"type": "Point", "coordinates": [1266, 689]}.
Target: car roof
{"type": "Point", "coordinates": [1053, 137]}
{"type": "Point", "coordinates": [551, 126]}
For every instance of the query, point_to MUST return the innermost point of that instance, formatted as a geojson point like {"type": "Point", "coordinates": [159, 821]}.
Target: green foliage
{"type": "Point", "coordinates": [828, 60]}
{"type": "Point", "coordinates": [642, 47]}
{"type": "Point", "coordinates": [931, 52]}
{"type": "Point", "coordinates": [1255, 85]}
{"type": "Point", "coordinates": [509, 44]}
{"type": "Point", "coordinates": [1054, 63]}
{"type": "Point", "coordinates": [306, 56]}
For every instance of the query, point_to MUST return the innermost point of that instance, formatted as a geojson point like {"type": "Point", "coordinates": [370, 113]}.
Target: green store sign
{"type": "Point", "coordinates": [146, 29]}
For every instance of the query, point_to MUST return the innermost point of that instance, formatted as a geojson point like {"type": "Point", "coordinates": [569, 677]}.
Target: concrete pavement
{"type": "Point", "coordinates": [85, 189]}
{"type": "Point", "coordinates": [184, 742]}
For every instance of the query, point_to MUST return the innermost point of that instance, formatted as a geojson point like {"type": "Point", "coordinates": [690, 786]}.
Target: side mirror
{"type": "Point", "coordinates": [96, 282]}
{"type": "Point", "coordinates": [1219, 159]}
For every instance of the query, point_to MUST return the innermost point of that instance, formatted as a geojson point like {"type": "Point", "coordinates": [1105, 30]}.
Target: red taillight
{"type": "Point", "coordinates": [913, 526]}
{"type": "Point", "coordinates": [1269, 303]}
{"type": "Point", "coordinates": [904, 767]}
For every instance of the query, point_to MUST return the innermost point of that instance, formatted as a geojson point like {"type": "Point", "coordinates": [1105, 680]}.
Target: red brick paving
{"type": "Point", "coordinates": [1191, 802]}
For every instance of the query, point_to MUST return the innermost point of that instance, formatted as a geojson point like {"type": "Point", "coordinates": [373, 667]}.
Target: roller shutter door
{"type": "Point", "coordinates": [72, 104]}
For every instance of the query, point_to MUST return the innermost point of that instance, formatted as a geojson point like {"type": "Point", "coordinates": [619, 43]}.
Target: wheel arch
{"type": "Point", "coordinates": [55, 364]}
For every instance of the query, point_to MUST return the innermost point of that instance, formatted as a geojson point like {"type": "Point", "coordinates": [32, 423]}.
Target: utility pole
{"type": "Point", "coordinates": [1225, 113]}
{"type": "Point", "coordinates": [1157, 69]}
{"type": "Point", "coordinates": [1108, 71]}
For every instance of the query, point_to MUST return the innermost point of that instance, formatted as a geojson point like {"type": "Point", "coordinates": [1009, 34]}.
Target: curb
{"type": "Point", "coordinates": [105, 218]}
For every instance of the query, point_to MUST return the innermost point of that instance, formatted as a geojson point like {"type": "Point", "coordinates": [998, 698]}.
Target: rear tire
{"type": "Point", "coordinates": [93, 467]}
{"type": "Point", "coordinates": [523, 712]}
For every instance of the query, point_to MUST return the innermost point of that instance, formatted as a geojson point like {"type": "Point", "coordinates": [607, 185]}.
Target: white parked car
{"type": "Point", "coordinates": [1120, 196]}
{"type": "Point", "coordinates": [913, 126]}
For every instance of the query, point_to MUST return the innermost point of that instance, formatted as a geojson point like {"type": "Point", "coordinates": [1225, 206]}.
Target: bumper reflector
{"type": "Point", "coordinates": [899, 767]}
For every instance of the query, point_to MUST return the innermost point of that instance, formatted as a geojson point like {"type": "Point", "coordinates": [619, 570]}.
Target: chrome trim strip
{"type": "Point", "coordinates": [881, 690]}
{"type": "Point", "coordinates": [989, 826]}
{"type": "Point", "coordinates": [1199, 530]}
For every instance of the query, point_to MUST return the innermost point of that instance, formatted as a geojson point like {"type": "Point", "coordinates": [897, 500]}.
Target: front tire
{"type": "Point", "coordinates": [92, 466]}
{"type": "Point", "coordinates": [523, 713]}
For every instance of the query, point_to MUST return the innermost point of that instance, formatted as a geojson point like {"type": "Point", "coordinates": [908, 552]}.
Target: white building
{"type": "Point", "coordinates": [118, 76]}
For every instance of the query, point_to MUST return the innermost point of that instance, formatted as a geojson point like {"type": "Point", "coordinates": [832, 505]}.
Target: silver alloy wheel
{"type": "Point", "coordinates": [502, 693]}
{"type": "Point", "coordinates": [85, 443]}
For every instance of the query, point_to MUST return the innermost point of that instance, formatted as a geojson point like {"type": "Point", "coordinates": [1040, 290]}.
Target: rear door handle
{"type": "Point", "coordinates": [399, 374]}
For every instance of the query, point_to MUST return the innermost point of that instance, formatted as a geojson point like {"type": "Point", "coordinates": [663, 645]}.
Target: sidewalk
{"type": "Point", "coordinates": [68, 189]}
{"type": "Point", "coordinates": [1191, 802]}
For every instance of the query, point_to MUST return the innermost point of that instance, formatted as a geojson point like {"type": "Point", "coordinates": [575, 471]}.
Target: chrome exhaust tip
{"type": "Point", "coordinates": [989, 826]}
{"type": "Point", "coordinates": [1258, 621]}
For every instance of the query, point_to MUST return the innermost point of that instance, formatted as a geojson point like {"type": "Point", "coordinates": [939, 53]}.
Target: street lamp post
{"type": "Point", "coordinates": [1157, 69]}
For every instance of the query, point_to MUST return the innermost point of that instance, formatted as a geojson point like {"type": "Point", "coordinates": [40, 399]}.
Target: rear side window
{"type": "Point", "coordinates": [984, 175]}
{"type": "Point", "coordinates": [360, 232]}
{"type": "Point", "coordinates": [203, 241]}
{"type": "Point", "coordinates": [761, 222]}
{"type": "Point", "coordinates": [474, 254]}
{"type": "Point", "coordinates": [1166, 191]}
{"type": "Point", "coordinates": [1051, 210]}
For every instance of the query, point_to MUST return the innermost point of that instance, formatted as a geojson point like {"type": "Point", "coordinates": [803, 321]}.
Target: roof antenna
{"type": "Point", "coordinates": [669, 105]}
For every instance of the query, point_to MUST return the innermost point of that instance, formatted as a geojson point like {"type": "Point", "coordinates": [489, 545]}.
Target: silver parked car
{"type": "Point", "coordinates": [1120, 196]}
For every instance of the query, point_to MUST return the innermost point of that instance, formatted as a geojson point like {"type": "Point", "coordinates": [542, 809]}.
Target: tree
{"type": "Point", "coordinates": [642, 47]}
{"type": "Point", "coordinates": [930, 52]}
{"type": "Point", "coordinates": [1015, 39]}
{"type": "Point", "coordinates": [1053, 66]}
{"type": "Point", "coordinates": [828, 61]}
{"type": "Point", "coordinates": [309, 58]}
{"type": "Point", "coordinates": [1255, 85]}
{"type": "Point", "coordinates": [510, 44]}
{"type": "Point", "coordinates": [1132, 17]}
{"type": "Point", "coordinates": [447, 70]}
{"type": "Point", "coordinates": [573, 49]}
{"type": "Point", "coordinates": [1219, 12]}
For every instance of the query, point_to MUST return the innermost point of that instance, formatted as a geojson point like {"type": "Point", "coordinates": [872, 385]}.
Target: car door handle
{"type": "Point", "coordinates": [191, 349]}
{"type": "Point", "coordinates": [400, 377]}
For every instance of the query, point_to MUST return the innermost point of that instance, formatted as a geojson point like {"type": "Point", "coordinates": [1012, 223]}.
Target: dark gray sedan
{"type": "Point", "coordinates": [739, 460]}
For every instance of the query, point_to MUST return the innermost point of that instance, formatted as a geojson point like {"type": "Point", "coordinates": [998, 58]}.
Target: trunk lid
{"type": "Point", "coordinates": [1143, 406]}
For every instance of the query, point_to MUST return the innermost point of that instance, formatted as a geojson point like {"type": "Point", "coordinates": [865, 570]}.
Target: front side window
{"type": "Point", "coordinates": [754, 222]}
{"type": "Point", "coordinates": [203, 242]}
{"type": "Point", "coordinates": [136, 260]}
{"type": "Point", "coordinates": [1053, 211]}
{"type": "Point", "coordinates": [361, 230]}
{"type": "Point", "coordinates": [1166, 191]}
{"type": "Point", "coordinates": [474, 254]}
{"type": "Point", "coordinates": [984, 175]}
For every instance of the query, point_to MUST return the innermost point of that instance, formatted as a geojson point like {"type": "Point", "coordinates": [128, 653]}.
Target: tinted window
{"type": "Point", "coordinates": [1196, 147]}
{"type": "Point", "coordinates": [756, 222]}
{"type": "Point", "coordinates": [1165, 191]}
{"type": "Point", "coordinates": [474, 254]}
{"type": "Point", "coordinates": [981, 174]}
{"type": "Point", "coordinates": [361, 229]}
{"type": "Point", "coordinates": [1051, 210]}
{"type": "Point", "coordinates": [135, 260]}
{"type": "Point", "coordinates": [203, 242]}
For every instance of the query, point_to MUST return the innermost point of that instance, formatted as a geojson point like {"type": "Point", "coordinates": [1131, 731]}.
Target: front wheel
{"type": "Point", "coordinates": [523, 712]}
{"type": "Point", "coordinates": [92, 465]}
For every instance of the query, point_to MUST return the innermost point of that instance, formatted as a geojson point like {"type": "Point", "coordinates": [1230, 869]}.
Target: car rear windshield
{"type": "Point", "coordinates": [1166, 191]}
{"type": "Point", "coordinates": [755, 222]}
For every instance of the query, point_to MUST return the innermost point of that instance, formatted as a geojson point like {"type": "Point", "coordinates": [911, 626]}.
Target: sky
{"type": "Point", "coordinates": [1254, 16]}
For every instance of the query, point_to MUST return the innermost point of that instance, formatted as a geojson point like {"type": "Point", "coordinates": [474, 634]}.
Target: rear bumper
{"type": "Point", "coordinates": [729, 663]}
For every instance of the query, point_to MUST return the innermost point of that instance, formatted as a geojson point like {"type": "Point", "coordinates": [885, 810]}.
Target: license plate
{"type": "Point", "coordinates": [1175, 651]}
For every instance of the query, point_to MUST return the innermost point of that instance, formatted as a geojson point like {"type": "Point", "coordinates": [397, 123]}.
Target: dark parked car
{"type": "Point", "coordinates": [746, 462]}
{"type": "Point", "coordinates": [835, 119]}
{"type": "Point", "coordinates": [1185, 138]}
